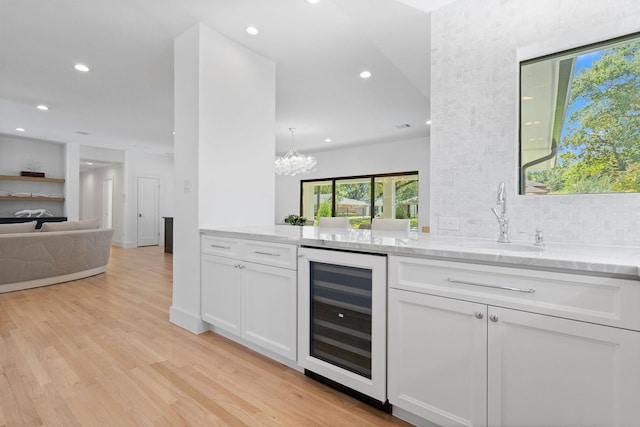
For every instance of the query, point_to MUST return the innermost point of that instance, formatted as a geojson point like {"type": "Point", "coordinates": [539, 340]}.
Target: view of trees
{"type": "Point", "coordinates": [354, 198]}
{"type": "Point", "coordinates": [600, 147]}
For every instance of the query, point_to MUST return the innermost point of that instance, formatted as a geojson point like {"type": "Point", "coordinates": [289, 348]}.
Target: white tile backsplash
{"type": "Point", "coordinates": [475, 46]}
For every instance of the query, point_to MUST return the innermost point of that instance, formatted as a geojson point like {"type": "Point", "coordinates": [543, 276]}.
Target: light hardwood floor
{"type": "Point", "coordinates": [101, 352]}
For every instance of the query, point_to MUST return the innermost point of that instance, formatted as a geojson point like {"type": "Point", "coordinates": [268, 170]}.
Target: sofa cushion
{"type": "Point", "coordinates": [86, 224]}
{"type": "Point", "coordinates": [21, 227]}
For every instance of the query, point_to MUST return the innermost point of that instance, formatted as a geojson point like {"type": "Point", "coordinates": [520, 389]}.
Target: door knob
{"type": "Point", "coordinates": [493, 317]}
{"type": "Point", "coordinates": [479, 315]}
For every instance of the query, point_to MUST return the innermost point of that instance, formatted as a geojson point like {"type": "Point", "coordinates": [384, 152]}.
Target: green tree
{"type": "Point", "coordinates": [324, 209]}
{"type": "Point", "coordinates": [603, 128]}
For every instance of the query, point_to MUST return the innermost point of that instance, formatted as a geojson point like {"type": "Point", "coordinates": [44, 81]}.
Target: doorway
{"type": "Point", "coordinates": [148, 211]}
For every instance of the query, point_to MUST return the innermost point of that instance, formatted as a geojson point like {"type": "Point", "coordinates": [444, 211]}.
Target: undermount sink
{"type": "Point", "coordinates": [507, 247]}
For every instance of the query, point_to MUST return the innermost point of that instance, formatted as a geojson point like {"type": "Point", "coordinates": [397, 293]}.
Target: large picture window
{"type": "Point", "coordinates": [361, 198]}
{"type": "Point", "coordinates": [580, 120]}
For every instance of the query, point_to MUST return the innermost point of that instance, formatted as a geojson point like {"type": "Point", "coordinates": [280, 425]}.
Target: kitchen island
{"type": "Point", "coordinates": [617, 261]}
{"type": "Point", "coordinates": [477, 333]}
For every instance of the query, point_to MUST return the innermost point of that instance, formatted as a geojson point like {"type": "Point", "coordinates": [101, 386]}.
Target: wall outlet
{"type": "Point", "coordinates": [448, 223]}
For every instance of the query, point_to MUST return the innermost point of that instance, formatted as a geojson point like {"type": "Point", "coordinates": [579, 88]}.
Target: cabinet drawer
{"type": "Point", "coordinates": [222, 246]}
{"type": "Point", "coordinates": [275, 254]}
{"type": "Point", "coordinates": [601, 300]}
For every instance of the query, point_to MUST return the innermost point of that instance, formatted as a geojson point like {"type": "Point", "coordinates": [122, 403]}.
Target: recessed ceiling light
{"type": "Point", "coordinates": [365, 74]}
{"type": "Point", "coordinates": [313, 1]}
{"type": "Point", "coordinates": [81, 67]}
{"type": "Point", "coordinates": [252, 30]}
{"type": "Point", "coordinates": [42, 107]}
{"type": "Point", "coordinates": [327, 140]}
{"type": "Point", "coordinates": [428, 122]}
{"type": "Point", "coordinates": [89, 163]}
{"type": "Point", "coordinates": [20, 129]}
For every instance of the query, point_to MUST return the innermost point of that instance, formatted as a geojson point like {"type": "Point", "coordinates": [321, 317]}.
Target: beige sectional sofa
{"type": "Point", "coordinates": [30, 259]}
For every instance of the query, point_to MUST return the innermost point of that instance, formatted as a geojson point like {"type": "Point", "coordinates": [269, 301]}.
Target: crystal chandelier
{"type": "Point", "coordinates": [294, 163]}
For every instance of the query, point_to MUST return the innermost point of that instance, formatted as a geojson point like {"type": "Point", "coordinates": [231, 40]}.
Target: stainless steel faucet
{"type": "Point", "coordinates": [503, 221]}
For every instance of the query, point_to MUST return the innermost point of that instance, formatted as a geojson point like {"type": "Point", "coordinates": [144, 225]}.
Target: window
{"type": "Point", "coordinates": [580, 120]}
{"type": "Point", "coordinates": [362, 198]}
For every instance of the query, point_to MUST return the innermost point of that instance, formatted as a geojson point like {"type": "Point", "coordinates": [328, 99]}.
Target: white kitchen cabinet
{"type": "Point", "coordinates": [269, 304]}
{"type": "Point", "coordinates": [538, 369]}
{"type": "Point", "coordinates": [438, 358]}
{"type": "Point", "coordinates": [549, 371]}
{"type": "Point", "coordinates": [250, 290]}
{"type": "Point", "coordinates": [220, 293]}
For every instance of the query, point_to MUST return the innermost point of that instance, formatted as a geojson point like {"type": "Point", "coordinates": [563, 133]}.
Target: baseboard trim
{"type": "Point", "coordinates": [121, 244]}
{"type": "Point", "coordinates": [186, 320]}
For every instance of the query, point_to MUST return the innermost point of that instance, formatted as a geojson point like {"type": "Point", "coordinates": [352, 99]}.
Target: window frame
{"type": "Point", "coordinates": [585, 48]}
{"type": "Point", "coordinates": [372, 181]}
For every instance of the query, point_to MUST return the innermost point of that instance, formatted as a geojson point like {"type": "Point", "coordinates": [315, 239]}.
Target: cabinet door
{"type": "Point", "coordinates": [269, 308]}
{"type": "Point", "coordinates": [220, 292]}
{"type": "Point", "coordinates": [549, 371]}
{"type": "Point", "coordinates": [438, 358]}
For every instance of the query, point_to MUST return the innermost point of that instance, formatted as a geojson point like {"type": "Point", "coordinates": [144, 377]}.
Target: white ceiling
{"type": "Point", "coordinates": [126, 101]}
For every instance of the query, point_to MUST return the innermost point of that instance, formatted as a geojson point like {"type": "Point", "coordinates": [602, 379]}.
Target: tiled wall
{"type": "Point", "coordinates": [476, 47]}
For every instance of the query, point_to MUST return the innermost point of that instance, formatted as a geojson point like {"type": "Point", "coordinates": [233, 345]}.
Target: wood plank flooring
{"type": "Point", "coordinates": [101, 352]}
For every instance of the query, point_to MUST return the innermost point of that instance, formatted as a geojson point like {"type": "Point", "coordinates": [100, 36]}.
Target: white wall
{"type": "Point", "coordinates": [224, 148]}
{"type": "Point", "coordinates": [475, 51]}
{"type": "Point", "coordinates": [390, 157]}
{"type": "Point", "coordinates": [237, 135]}
{"type": "Point", "coordinates": [16, 153]}
{"type": "Point", "coordinates": [72, 182]}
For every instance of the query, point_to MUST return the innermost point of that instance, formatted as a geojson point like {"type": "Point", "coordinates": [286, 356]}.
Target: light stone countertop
{"type": "Point", "coordinates": [614, 261]}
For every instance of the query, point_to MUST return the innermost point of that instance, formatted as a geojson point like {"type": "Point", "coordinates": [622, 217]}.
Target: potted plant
{"type": "Point", "coordinates": [295, 220]}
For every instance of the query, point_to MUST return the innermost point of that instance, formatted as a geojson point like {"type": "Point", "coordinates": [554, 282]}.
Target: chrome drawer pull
{"type": "Point", "coordinates": [265, 253]}
{"type": "Point", "coordinates": [504, 288]}
{"type": "Point", "coordinates": [220, 247]}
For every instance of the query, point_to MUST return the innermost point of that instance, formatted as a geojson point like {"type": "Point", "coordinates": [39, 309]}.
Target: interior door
{"type": "Point", "coordinates": [148, 212]}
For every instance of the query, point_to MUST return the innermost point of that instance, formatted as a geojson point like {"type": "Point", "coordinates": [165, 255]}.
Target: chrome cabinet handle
{"type": "Point", "coordinates": [493, 317]}
{"type": "Point", "coordinates": [504, 288]}
{"type": "Point", "coordinates": [240, 266]}
{"type": "Point", "coordinates": [479, 315]}
{"type": "Point", "coordinates": [265, 253]}
{"type": "Point", "coordinates": [220, 246]}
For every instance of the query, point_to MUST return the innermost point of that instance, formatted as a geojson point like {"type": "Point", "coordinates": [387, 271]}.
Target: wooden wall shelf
{"type": "Point", "coordinates": [33, 199]}
{"type": "Point", "coordinates": [29, 178]}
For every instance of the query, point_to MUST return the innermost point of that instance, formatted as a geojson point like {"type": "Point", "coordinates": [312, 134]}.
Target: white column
{"type": "Point", "coordinates": [224, 149]}
{"type": "Point", "coordinates": [389, 198]}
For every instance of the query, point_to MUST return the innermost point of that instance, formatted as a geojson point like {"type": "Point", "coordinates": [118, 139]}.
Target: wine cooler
{"type": "Point", "coordinates": [342, 319]}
